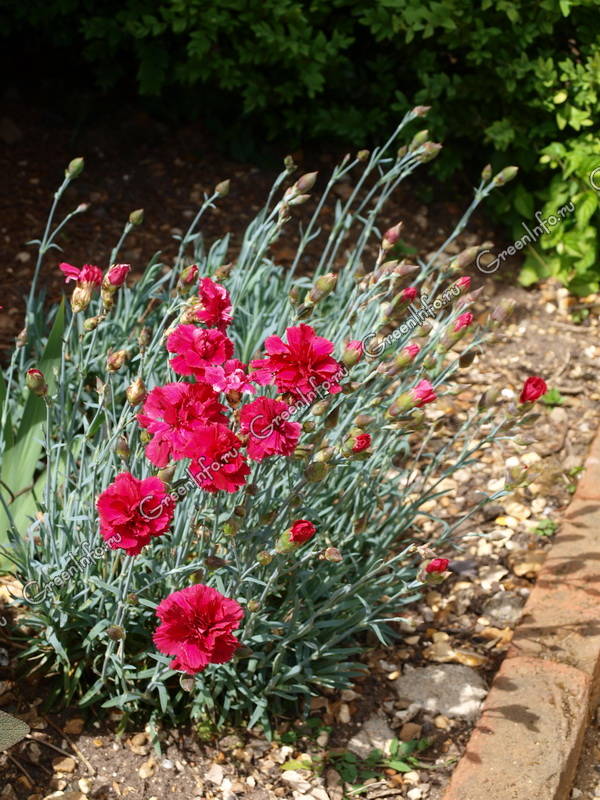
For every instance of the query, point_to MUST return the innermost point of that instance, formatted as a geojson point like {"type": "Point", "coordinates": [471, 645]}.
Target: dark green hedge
{"type": "Point", "coordinates": [508, 77]}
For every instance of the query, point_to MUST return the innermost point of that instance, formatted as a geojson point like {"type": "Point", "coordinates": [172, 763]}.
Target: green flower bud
{"type": "Point", "coordinates": [222, 188]}
{"type": "Point", "coordinates": [317, 471]}
{"type": "Point", "coordinates": [264, 558]}
{"type": "Point", "coordinates": [75, 168]}
{"type": "Point", "coordinates": [505, 175]}
{"type": "Point", "coordinates": [136, 217]}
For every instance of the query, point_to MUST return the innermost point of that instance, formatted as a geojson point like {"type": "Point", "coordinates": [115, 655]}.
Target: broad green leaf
{"type": "Point", "coordinates": [19, 462]}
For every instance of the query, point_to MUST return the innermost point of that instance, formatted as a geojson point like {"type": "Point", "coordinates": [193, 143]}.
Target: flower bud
{"type": "Point", "coordinates": [116, 275]}
{"type": "Point", "coordinates": [122, 447]}
{"type": "Point", "coordinates": [81, 298]}
{"type": "Point", "coordinates": [144, 337]}
{"type": "Point", "coordinates": [222, 188]}
{"type": "Point", "coordinates": [486, 173]}
{"type": "Point", "coordinates": [489, 398]}
{"type": "Point", "coordinates": [306, 182]}
{"type": "Point", "coordinates": [91, 323]}
{"type": "Point", "coordinates": [322, 287]}
{"type": "Point", "coordinates": [136, 217]}
{"type": "Point", "coordinates": [316, 471]}
{"type": "Point", "coordinates": [136, 392]}
{"type": "Point", "coordinates": [505, 175]}
{"type": "Point", "coordinates": [324, 455]}
{"type": "Point", "coordinates": [232, 526]}
{"type": "Point", "coordinates": [115, 360]}
{"type": "Point", "coordinates": [352, 353]}
{"type": "Point", "coordinates": [253, 605]}
{"type": "Point", "coordinates": [431, 150]}
{"type": "Point", "coordinates": [115, 632]}
{"type": "Point", "coordinates": [333, 554]}
{"type": "Point", "coordinates": [391, 237]}
{"type": "Point", "coordinates": [308, 426]}
{"type": "Point", "coordinates": [166, 475]}
{"type": "Point", "coordinates": [21, 339]}
{"type": "Point", "coordinates": [418, 139]}
{"type": "Point", "coordinates": [363, 155]}
{"type": "Point", "coordinates": [264, 558]}
{"type": "Point", "coordinates": [321, 407]}
{"type": "Point", "coordinates": [35, 382]}
{"type": "Point", "coordinates": [303, 451]}
{"type": "Point", "coordinates": [75, 168]}
{"type": "Point", "coordinates": [420, 111]}
{"type": "Point", "coordinates": [294, 295]}
{"type": "Point", "coordinates": [363, 420]}
{"type": "Point", "coordinates": [465, 258]}
{"type": "Point", "coordinates": [288, 163]}
{"type": "Point", "coordinates": [502, 311]}
{"type": "Point", "coordinates": [145, 436]}
{"type": "Point", "coordinates": [223, 271]}
{"type": "Point", "coordinates": [299, 199]}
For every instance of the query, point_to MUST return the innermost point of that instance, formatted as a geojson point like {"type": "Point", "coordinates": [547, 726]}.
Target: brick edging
{"type": "Point", "coordinates": [527, 742]}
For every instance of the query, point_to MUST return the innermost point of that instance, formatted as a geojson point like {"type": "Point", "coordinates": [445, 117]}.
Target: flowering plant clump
{"type": "Point", "coordinates": [213, 478]}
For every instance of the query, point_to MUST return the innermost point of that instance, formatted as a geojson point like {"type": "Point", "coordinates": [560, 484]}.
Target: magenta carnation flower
{"type": "Point", "coordinates": [196, 628]}
{"type": "Point", "coordinates": [132, 511]}
{"type": "Point", "coordinates": [300, 365]}
{"type": "Point", "coordinates": [266, 423]}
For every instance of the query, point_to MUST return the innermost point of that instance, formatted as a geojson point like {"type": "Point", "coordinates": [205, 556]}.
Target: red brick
{"type": "Point", "coordinates": [588, 486]}
{"type": "Point", "coordinates": [527, 742]}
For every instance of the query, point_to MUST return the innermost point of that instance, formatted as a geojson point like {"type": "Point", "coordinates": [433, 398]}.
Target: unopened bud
{"type": "Point", "coordinates": [122, 447]}
{"type": "Point", "coordinates": [324, 455]}
{"type": "Point", "coordinates": [144, 337]}
{"type": "Point", "coordinates": [430, 151]}
{"type": "Point", "coordinates": [331, 420]}
{"type": "Point", "coordinates": [75, 168]}
{"type": "Point", "coordinates": [333, 554]}
{"type": "Point", "coordinates": [316, 471]}
{"type": "Point", "coordinates": [91, 323]}
{"type": "Point", "coordinates": [418, 139]}
{"type": "Point", "coordinates": [321, 407]}
{"type": "Point", "coordinates": [303, 451]}
{"type": "Point", "coordinates": [223, 271]}
{"type": "Point", "coordinates": [232, 526]}
{"type": "Point", "coordinates": [465, 258]}
{"type": "Point", "coordinates": [486, 173]}
{"type": "Point", "coordinates": [489, 398]}
{"type": "Point", "coordinates": [115, 360]}
{"type": "Point", "coordinates": [166, 475]}
{"type": "Point", "coordinates": [294, 295]}
{"type": "Point", "coordinates": [299, 199]}
{"type": "Point", "coordinates": [322, 287]}
{"type": "Point", "coordinates": [264, 558]}
{"type": "Point", "coordinates": [391, 236]}
{"type": "Point", "coordinates": [136, 392]}
{"type": "Point", "coordinates": [136, 217]}
{"type": "Point", "coordinates": [253, 605]}
{"type": "Point", "coordinates": [21, 339]}
{"type": "Point", "coordinates": [363, 155]}
{"type": "Point", "coordinates": [306, 182]}
{"type": "Point", "coordinates": [222, 188]}
{"type": "Point", "coordinates": [420, 111]}
{"type": "Point", "coordinates": [36, 383]}
{"type": "Point", "coordinates": [81, 298]}
{"type": "Point", "coordinates": [505, 175]}
{"type": "Point", "coordinates": [288, 163]}
{"type": "Point", "coordinates": [115, 632]}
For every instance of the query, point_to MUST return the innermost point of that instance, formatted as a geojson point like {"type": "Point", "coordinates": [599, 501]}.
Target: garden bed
{"type": "Point", "coordinates": [464, 622]}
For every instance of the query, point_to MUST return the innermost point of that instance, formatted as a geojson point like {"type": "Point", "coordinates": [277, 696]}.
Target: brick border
{"type": "Point", "coordinates": [527, 742]}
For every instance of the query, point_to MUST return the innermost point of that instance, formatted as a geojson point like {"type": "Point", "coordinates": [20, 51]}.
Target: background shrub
{"type": "Point", "coordinates": [510, 76]}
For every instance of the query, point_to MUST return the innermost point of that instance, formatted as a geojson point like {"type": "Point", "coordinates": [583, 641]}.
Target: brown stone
{"type": "Point", "coordinates": [410, 730]}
